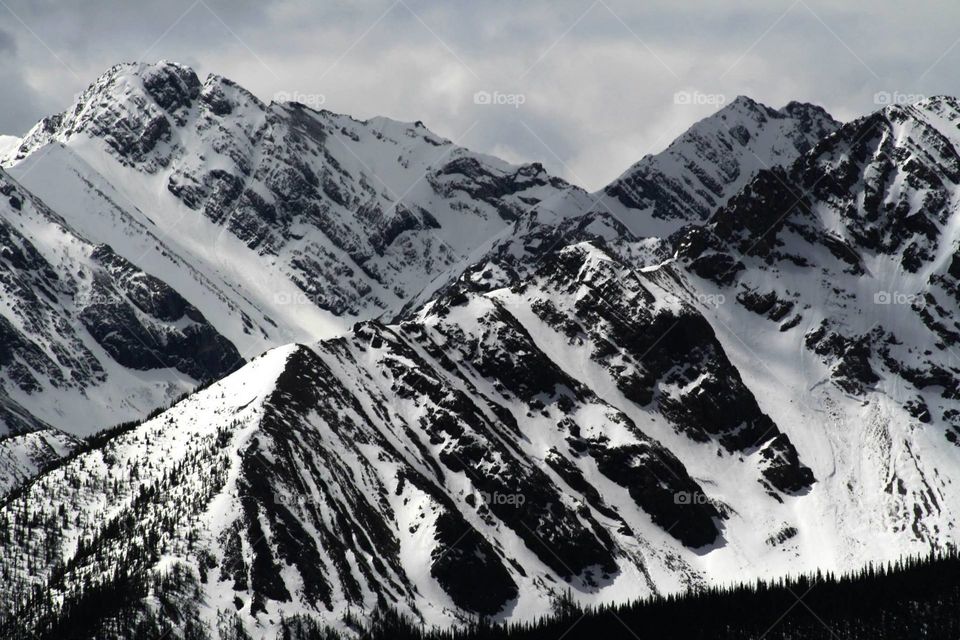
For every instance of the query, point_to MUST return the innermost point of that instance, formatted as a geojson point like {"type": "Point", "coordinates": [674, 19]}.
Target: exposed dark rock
{"type": "Point", "coordinates": [782, 466]}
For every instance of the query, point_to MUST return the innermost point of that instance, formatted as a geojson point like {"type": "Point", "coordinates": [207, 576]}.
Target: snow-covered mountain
{"type": "Point", "coordinates": [735, 361]}
{"type": "Point", "coordinates": [840, 284]}
{"type": "Point", "coordinates": [275, 222]}
{"type": "Point", "coordinates": [359, 216]}
{"type": "Point", "coordinates": [87, 339]}
{"type": "Point", "coordinates": [23, 455]}
{"type": "Point", "coordinates": [583, 428]}
{"type": "Point", "coordinates": [700, 170]}
{"type": "Point", "coordinates": [278, 223]}
{"type": "Point", "coordinates": [635, 215]}
{"type": "Point", "coordinates": [529, 439]}
{"type": "Point", "coordinates": [281, 224]}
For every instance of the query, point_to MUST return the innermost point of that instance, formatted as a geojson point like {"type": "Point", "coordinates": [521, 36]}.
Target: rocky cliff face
{"type": "Point", "coordinates": [839, 288]}
{"type": "Point", "coordinates": [699, 171]}
{"type": "Point", "coordinates": [359, 215]}
{"type": "Point", "coordinates": [77, 320]}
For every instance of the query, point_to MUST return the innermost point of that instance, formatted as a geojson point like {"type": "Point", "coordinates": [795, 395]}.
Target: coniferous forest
{"type": "Point", "coordinates": [913, 598]}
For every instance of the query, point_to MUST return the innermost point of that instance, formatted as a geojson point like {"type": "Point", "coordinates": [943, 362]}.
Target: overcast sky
{"type": "Point", "coordinates": [585, 86]}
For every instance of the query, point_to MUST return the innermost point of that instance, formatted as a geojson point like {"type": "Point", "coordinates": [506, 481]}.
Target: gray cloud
{"type": "Point", "coordinates": [597, 79]}
{"type": "Point", "coordinates": [8, 44]}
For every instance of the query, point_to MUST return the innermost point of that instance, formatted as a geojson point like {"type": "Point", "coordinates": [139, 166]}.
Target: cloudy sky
{"type": "Point", "coordinates": [585, 86]}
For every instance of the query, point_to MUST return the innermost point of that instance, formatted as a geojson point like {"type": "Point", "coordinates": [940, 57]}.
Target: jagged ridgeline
{"type": "Point", "coordinates": [913, 598]}
{"type": "Point", "coordinates": [180, 220]}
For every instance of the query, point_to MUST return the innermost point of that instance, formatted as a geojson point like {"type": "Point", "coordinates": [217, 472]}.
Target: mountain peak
{"type": "Point", "coordinates": [795, 108]}
{"type": "Point", "coordinates": [745, 102]}
{"type": "Point", "coordinates": [712, 160]}
{"type": "Point", "coordinates": [170, 84]}
{"type": "Point", "coordinates": [222, 96]}
{"type": "Point", "coordinates": [804, 112]}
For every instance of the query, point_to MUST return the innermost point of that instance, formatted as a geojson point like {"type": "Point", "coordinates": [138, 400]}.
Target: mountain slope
{"type": "Point", "coordinates": [358, 215]}
{"type": "Point", "coordinates": [840, 300]}
{"type": "Point", "coordinates": [23, 455]}
{"type": "Point", "coordinates": [634, 215]}
{"type": "Point", "coordinates": [355, 218]}
{"type": "Point", "coordinates": [86, 338]}
{"type": "Point", "coordinates": [9, 145]}
{"type": "Point", "coordinates": [275, 222]}
{"type": "Point", "coordinates": [392, 464]}
{"type": "Point", "coordinates": [710, 162]}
